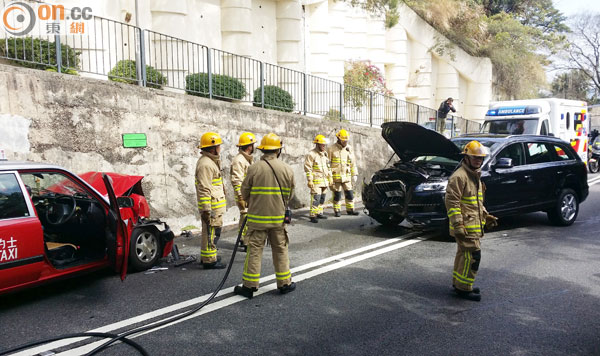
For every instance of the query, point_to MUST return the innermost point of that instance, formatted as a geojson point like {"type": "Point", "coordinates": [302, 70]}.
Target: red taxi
{"type": "Point", "coordinates": [54, 224]}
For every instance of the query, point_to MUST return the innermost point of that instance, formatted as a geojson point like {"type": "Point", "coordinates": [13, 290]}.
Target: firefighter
{"type": "Point", "coordinates": [211, 198]}
{"type": "Point", "coordinates": [468, 216]}
{"type": "Point", "coordinates": [318, 175]}
{"type": "Point", "coordinates": [343, 168]}
{"type": "Point", "coordinates": [267, 188]}
{"type": "Point", "coordinates": [239, 168]}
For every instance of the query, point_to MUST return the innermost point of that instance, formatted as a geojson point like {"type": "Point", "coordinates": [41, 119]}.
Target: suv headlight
{"type": "Point", "coordinates": [433, 186]}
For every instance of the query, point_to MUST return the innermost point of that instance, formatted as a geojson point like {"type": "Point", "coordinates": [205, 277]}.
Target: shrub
{"type": "Point", "coordinates": [65, 71]}
{"type": "Point", "coordinates": [334, 115]}
{"type": "Point", "coordinates": [223, 86]}
{"type": "Point", "coordinates": [275, 98]}
{"type": "Point", "coordinates": [125, 72]}
{"type": "Point", "coordinates": [42, 52]}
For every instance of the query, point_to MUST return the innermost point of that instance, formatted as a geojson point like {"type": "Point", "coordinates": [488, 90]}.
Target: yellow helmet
{"type": "Point", "coordinates": [210, 139]}
{"type": "Point", "coordinates": [270, 141]}
{"type": "Point", "coordinates": [342, 135]}
{"type": "Point", "coordinates": [320, 139]}
{"type": "Point", "coordinates": [247, 138]}
{"type": "Point", "coordinates": [475, 148]}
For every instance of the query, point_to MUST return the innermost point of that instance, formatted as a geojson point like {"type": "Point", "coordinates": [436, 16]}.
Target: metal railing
{"type": "Point", "coordinates": [126, 53]}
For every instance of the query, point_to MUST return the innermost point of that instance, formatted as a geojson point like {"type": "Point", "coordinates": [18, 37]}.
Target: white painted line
{"type": "Point", "coordinates": [82, 350]}
{"type": "Point", "coordinates": [593, 181]}
{"type": "Point", "coordinates": [188, 303]}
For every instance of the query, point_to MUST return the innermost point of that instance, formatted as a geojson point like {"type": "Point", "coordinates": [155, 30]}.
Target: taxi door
{"type": "Point", "coordinates": [21, 236]}
{"type": "Point", "coordinates": [117, 235]}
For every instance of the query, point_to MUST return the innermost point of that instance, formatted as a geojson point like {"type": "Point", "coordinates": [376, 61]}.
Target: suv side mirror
{"type": "Point", "coordinates": [551, 134]}
{"type": "Point", "coordinates": [503, 163]}
{"type": "Point", "coordinates": [125, 202]}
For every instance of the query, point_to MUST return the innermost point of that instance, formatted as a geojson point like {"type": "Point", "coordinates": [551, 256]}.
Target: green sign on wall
{"type": "Point", "coordinates": [134, 140]}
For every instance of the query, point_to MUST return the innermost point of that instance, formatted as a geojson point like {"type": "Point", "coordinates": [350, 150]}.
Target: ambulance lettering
{"type": "Point", "coordinates": [8, 249]}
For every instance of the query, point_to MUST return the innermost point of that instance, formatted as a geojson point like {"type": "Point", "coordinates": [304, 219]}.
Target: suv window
{"type": "Point", "coordinates": [562, 154]}
{"type": "Point", "coordinates": [514, 152]}
{"type": "Point", "coordinates": [12, 201]}
{"type": "Point", "coordinates": [538, 153]}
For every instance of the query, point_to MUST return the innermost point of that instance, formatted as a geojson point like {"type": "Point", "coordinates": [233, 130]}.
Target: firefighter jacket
{"type": "Point", "coordinates": [266, 208]}
{"type": "Point", "coordinates": [316, 166]}
{"type": "Point", "coordinates": [464, 203]}
{"type": "Point", "coordinates": [210, 191]}
{"type": "Point", "coordinates": [239, 167]}
{"type": "Point", "coordinates": [343, 163]}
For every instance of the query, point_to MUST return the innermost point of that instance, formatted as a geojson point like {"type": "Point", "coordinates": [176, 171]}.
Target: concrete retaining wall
{"type": "Point", "coordinates": [78, 122]}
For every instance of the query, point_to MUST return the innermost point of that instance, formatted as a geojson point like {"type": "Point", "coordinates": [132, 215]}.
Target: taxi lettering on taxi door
{"type": "Point", "coordinates": [8, 249]}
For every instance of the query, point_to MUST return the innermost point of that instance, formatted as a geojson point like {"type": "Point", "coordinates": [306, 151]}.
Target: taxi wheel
{"type": "Point", "coordinates": [144, 249]}
{"type": "Point", "coordinates": [566, 210]}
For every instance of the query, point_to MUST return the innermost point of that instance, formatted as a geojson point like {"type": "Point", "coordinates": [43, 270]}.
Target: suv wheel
{"type": "Point", "coordinates": [566, 209]}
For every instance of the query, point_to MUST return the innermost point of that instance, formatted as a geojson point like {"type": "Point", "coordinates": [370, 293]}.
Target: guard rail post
{"type": "Point", "coordinates": [58, 53]}
{"type": "Point", "coordinates": [209, 68]}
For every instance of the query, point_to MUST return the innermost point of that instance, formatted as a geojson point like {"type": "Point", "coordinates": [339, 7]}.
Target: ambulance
{"type": "Point", "coordinates": [565, 119]}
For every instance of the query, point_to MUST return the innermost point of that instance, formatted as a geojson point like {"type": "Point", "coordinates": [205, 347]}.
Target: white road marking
{"type": "Point", "coordinates": [380, 248]}
{"type": "Point", "coordinates": [593, 181]}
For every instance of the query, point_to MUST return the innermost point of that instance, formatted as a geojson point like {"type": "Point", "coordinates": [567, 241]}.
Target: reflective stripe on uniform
{"type": "Point", "coordinates": [208, 253]}
{"type": "Point", "coordinates": [283, 275]}
{"type": "Point", "coordinates": [251, 277]}
{"type": "Point", "coordinates": [218, 181]}
{"type": "Point", "coordinates": [237, 188]}
{"type": "Point", "coordinates": [269, 191]}
{"type": "Point", "coordinates": [453, 211]}
{"type": "Point", "coordinates": [263, 219]}
{"type": "Point", "coordinates": [463, 280]}
{"type": "Point", "coordinates": [219, 204]}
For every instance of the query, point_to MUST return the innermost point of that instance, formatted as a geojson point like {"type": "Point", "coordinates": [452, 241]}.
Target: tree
{"type": "Point", "coordinates": [573, 85]}
{"type": "Point", "coordinates": [583, 50]}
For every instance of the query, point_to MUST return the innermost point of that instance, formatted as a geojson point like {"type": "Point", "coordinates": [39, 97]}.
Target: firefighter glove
{"type": "Point", "coordinates": [205, 216]}
{"type": "Point", "coordinates": [243, 204]}
{"type": "Point", "coordinates": [354, 179]}
{"type": "Point", "coordinates": [460, 232]}
{"type": "Point", "coordinates": [491, 221]}
{"type": "Point", "coordinates": [310, 184]}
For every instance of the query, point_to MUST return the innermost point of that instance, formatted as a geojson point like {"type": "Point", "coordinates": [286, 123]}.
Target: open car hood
{"type": "Point", "coordinates": [121, 182]}
{"type": "Point", "coordinates": [410, 140]}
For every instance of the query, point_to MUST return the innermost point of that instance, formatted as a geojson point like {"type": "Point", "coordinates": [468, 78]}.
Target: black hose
{"type": "Point", "coordinates": [131, 343]}
{"type": "Point", "coordinates": [123, 337]}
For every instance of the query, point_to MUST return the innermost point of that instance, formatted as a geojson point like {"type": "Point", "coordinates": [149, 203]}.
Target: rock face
{"type": "Point", "coordinates": [78, 123]}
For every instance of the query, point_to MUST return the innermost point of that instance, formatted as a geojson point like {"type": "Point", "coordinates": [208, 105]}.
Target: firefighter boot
{"type": "Point", "coordinates": [214, 265]}
{"type": "Point", "coordinates": [476, 290]}
{"type": "Point", "coordinates": [287, 288]}
{"type": "Point", "coordinates": [244, 291]}
{"type": "Point", "coordinates": [468, 295]}
{"type": "Point", "coordinates": [313, 219]}
{"type": "Point", "coordinates": [336, 214]}
{"type": "Point", "coordinates": [321, 216]}
{"type": "Point", "coordinates": [352, 212]}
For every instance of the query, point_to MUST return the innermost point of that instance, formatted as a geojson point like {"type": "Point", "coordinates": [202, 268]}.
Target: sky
{"type": "Point", "coordinates": [571, 7]}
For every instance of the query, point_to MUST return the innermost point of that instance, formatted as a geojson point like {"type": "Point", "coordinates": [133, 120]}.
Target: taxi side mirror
{"type": "Point", "coordinates": [125, 202]}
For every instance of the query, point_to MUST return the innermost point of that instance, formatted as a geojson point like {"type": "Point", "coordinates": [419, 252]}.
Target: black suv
{"type": "Point", "coordinates": [523, 173]}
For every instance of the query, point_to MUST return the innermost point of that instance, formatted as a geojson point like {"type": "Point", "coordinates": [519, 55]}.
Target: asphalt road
{"type": "Point", "coordinates": [362, 289]}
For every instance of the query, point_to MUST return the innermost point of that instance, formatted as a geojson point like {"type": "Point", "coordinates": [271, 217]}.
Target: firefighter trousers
{"type": "Point", "coordinates": [279, 241]}
{"type": "Point", "coordinates": [466, 263]}
{"type": "Point", "coordinates": [211, 231]}
{"type": "Point", "coordinates": [337, 196]}
{"type": "Point", "coordinates": [317, 200]}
